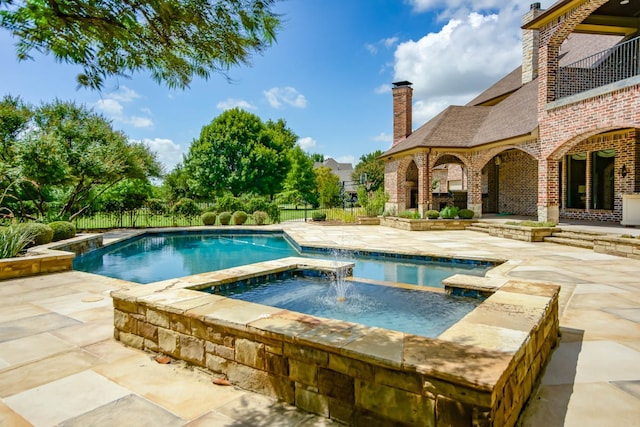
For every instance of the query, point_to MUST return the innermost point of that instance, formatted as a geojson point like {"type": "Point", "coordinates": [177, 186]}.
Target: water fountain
{"type": "Point", "coordinates": [339, 283]}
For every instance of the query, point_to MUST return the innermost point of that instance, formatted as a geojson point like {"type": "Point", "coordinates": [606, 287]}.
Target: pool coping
{"type": "Point", "coordinates": [484, 367]}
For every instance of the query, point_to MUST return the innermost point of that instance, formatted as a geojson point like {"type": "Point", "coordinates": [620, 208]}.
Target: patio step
{"type": "Point", "coordinates": [482, 227]}
{"type": "Point", "coordinates": [580, 239]}
{"type": "Point", "coordinates": [579, 243]}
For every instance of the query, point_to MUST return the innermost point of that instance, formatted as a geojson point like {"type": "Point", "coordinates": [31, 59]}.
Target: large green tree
{"type": "Point", "coordinates": [369, 171]}
{"type": "Point", "coordinates": [238, 153]}
{"type": "Point", "coordinates": [68, 156]}
{"type": "Point", "coordinates": [173, 39]}
{"type": "Point", "coordinates": [329, 187]}
{"type": "Point", "coordinates": [300, 185]}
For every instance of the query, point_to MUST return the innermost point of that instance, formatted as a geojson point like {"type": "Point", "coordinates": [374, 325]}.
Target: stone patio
{"type": "Point", "coordinates": [59, 364]}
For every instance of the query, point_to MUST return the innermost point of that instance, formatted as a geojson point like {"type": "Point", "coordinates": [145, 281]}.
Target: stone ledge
{"type": "Point", "coordinates": [386, 375]}
{"type": "Point", "coordinates": [425, 224]}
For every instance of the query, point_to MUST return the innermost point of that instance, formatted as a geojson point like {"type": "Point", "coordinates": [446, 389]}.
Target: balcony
{"type": "Point", "coordinates": [603, 68]}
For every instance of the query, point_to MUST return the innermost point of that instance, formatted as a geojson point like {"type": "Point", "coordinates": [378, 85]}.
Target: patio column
{"type": "Point", "coordinates": [424, 182]}
{"type": "Point", "coordinates": [474, 191]}
{"type": "Point", "coordinates": [548, 209]}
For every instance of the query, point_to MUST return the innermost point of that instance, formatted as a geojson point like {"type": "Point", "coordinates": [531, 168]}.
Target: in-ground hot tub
{"type": "Point", "coordinates": [480, 371]}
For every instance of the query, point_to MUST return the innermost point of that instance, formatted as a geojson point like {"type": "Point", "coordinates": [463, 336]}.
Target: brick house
{"type": "Point", "coordinates": [555, 138]}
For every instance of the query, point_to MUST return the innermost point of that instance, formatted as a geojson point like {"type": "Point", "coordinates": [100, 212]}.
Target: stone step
{"type": "Point", "coordinates": [482, 224]}
{"type": "Point", "coordinates": [577, 235]}
{"type": "Point", "coordinates": [579, 243]}
{"type": "Point", "coordinates": [475, 228]}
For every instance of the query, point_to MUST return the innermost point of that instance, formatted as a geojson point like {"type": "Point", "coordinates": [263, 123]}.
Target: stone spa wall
{"type": "Point", "coordinates": [479, 372]}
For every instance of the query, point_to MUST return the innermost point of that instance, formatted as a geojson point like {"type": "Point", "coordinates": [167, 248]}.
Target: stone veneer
{"type": "Point", "coordinates": [425, 224]}
{"type": "Point", "coordinates": [50, 258]}
{"type": "Point", "coordinates": [519, 232]}
{"type": "Point", "coordinates": [479, 372]}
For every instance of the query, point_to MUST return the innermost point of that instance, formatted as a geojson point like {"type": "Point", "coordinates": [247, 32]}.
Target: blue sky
{"type": "Point", "coordinates": [328, 76]}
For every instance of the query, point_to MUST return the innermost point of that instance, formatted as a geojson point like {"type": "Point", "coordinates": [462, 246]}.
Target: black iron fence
{"type": "Point", "coordinates": [145, 218]}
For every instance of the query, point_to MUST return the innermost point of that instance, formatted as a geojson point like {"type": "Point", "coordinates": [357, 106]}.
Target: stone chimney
{"type": "Point", "coordinates": [530, 43]}
{"type": "Point", "coordinates": [402, 94]}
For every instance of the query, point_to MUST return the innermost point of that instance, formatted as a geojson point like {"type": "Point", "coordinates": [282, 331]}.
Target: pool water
{"type": "Point", "coordinates": [412, 311]}
{"type": "Point", "coordinates": [153, 258]}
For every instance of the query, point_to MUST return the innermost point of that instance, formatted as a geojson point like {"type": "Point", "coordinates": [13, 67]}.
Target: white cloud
{"type": "Point", "coordinates": [169, 153]}
{"type": "Point", "coordinates": [383, 137]}
{"type": "Point", "coordinates": [112, 107]}
{"type": "Point", "coordinates": [307, 143]}
{"type": "Point", "coordinates": [124, 94]}
{"type": "Point", "coordinates": [466, 56]}
{"type": "Point", "coordinates": [371, 48]}
{"type": "Point", "coordinates": [276, 96]}
{"type": "Point", "coordinates": [388, 43]}
{"type": "Point", "coordinates": [230, 103]}
{"type": "Point", "coordinates": [382, 89]}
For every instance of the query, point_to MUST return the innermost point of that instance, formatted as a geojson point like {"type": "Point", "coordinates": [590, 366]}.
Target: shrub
{"type": "Point", "coordinates": [273, 210]}
{"type": "Point", "coordinates": [432, 214]}
{"type": "Point", "coordinates": [225, 218]}
{"type": "Point", "coordinates": [409, 215]}
{"type": "Point", "coordinates": [240, 217]}
{"type": "Point", "coordinates": [449, 212]}
{"type": "Point", "coordinates": [14, 240]}
{"type": "Point", "coordinates": [42, 233]}
{"type": "Point", "coordinates": [318, 216]}
{"type": "Point", "coordinates": [156, 206]}
{"type": "Point", "coordinates": [62, 230]}
{"type": "Point", "coordinates": [260, 217]}
{"type": "Point", "coordinates": [229, 203]}
{"type": "Point", "coordinates": [208, 218]}
{"type": "Point", "coordinates": [465, 214]}
{"type": "Point", "coordinates": [186, 207]}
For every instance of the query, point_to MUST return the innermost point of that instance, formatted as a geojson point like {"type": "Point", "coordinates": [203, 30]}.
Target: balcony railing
{"type": "Point", "coordinates": [603, 68]}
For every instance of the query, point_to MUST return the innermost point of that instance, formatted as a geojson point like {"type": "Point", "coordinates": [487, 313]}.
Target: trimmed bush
{"type": "Point", "coordinates": [225, 218]}
{"type": "Point", "coordinates": [208, 218]}
{"type": "Point", "coordinates": [465, 214]}
{"type": "Point", "coordinates": [42, 233]}
{"type": "Point", "coordinates": [186, 207]}
{"type": "Point", "coordinates": [240, 217]}
{"type": "Point", "coordinates": [450, 212]}
{"type": "Point", "coordinates": [432, 214]}
{"type": "Point", "coordinates": [318, 216]}
{"type": "Point", "coordinates": [62, 230]}
{"type": "Point", "coordinates": [260, 217]}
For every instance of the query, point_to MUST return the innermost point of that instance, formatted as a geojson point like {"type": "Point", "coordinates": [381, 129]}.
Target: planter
{"type": "Point", "coordinates": [425, 224]}
{"type": "Point", "coordinates": [50, 258]}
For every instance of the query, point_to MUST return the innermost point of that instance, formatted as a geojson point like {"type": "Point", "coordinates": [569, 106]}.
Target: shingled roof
{"type": "Point", "coordinates": [506, 110]}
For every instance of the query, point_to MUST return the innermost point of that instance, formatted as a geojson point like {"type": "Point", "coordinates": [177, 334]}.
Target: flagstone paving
{"type": "Point", "coordinates": [59, 364]}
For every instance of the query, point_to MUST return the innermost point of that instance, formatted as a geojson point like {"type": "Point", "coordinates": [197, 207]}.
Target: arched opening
{"type": "Point", "coordinates": [449, 183]}
{"type": "Point", "coordinates": [412, 185]}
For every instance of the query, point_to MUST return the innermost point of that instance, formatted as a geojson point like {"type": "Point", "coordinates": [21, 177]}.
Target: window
{"type": "Point", "coordinates": [602, 173]}
{"type": "Point", "coordinates": [576, 181]}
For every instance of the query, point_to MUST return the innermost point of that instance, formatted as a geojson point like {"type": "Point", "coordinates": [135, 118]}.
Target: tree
{"type": "Point", "coordinates": [300, 185]}
{"type": "Point", "coordinates": [329, 187]}
{"type": "Point", "coordinates": [317, 157]}
{"type": "Point", "coordinates": [174, 40]}
{"type": "Point", "coordinates": [14, 119]}
{"type": "Point", "coordinates": [370, 171]}
{"type": "Point", "coordinates": [237, 153]}
{"type": "Point", "coordinates": [175, 185]}
{"type": "Point", "coordinates": [69, 156]}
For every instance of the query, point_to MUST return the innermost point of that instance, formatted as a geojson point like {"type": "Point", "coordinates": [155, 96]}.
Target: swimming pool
{"type": "Point", "coordinates": [155, 257]}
